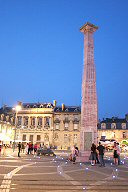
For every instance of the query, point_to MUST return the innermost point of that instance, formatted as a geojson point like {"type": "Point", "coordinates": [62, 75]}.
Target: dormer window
{"type": "Point", "coordinates": [123, 125]}
{"type": "Point", "coordinates": [103, 125]}
{"type": "Point", "coordinates": [113, 126]}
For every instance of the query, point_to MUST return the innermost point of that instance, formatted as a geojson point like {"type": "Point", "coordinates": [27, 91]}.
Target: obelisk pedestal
{"type": "Point", "coordinates": [89, 117]}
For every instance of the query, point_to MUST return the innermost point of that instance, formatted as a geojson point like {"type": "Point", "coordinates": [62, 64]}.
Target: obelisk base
{"type": "Point", "coordinates": [83, 156]}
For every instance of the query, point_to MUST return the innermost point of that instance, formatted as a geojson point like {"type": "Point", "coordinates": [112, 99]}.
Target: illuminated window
{"type": "Point", "coordinates": [75, 126]}
{"type": "Point", "coordinates": [57, 126]}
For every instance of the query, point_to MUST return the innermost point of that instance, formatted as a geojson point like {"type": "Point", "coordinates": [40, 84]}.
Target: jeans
{"type": "Point", "coordinates": [101, 157]}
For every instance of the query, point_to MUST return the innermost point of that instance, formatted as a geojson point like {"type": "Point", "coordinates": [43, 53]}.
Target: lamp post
{"type": "Point", "coordinates": [17, 108]}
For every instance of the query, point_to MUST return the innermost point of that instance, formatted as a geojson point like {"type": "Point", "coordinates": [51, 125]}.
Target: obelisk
{"type": "Point", "coordinates": [89, 115]}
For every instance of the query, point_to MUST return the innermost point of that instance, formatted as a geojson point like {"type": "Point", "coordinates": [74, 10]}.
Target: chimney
{"type": "Point", "coordinates": [54, 103]}
{"type": "Point", "coordinates": [126, 117]}
{"type": "Point", "coordinates": [63, 106]}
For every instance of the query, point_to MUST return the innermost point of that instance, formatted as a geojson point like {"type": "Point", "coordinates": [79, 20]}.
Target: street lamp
{"type": "Point", "coordinates": [17, 108]}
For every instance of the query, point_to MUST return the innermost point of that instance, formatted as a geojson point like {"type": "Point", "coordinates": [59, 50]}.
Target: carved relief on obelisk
{"type": "Point", "coordinates": [89, 96]}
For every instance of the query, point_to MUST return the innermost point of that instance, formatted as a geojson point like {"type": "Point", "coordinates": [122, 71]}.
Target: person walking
{"type": "Point", "coordinates": [19, 149]}
{"type": "Point", "coordinates": [101, 150]}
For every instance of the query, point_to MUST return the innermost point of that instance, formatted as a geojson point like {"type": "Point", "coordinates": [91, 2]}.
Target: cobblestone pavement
{"type": "Point", "coordinates": [36, 174]}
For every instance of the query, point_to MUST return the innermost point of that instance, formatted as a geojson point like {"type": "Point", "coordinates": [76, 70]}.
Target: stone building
{"type": "Point", "coordinates": [51, 125]}
{"type": "Point", "coordinates": [113, 128]}
{"type": "Point", "coordinates": [45, 123]}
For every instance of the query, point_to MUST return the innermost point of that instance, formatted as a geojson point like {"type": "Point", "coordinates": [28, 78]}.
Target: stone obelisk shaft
{"type": "Point", "coordinates": [89, 96]}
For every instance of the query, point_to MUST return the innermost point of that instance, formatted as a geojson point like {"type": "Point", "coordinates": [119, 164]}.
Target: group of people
{"type": "Point", "coordinates": [29, 148]}
{"type": "Point", "coordinates": [97, 154]}
{"type": "Point", "coordinates": [3, 148]}
{"type": "Point", "coordinates": [74, 154]}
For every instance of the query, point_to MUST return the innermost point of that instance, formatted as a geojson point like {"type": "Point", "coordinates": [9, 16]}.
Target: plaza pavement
{"type": "Point", "coordinates": [36, 174]}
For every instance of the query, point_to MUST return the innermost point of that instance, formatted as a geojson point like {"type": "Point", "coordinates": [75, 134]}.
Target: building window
{"type": "Point", "coordinates": [31, 138]}
{"type": "Point", "coordinates": [24, 138]}
{"type": "Point", "coordinates": [66, 126]}
{"type": "Point", "coordinates": [124, 135]}
{"type": "Point", "coordinates": [25, 121]}
{"type": "Point", "coordinates": [75, 139]}
{"type": "Point", "coordinates": [103, 125]}
{"type": "Point", "coordinates": [123, 125]}
{"type": "Point", "coordinates": [75, 126]}
{"type": "Point", "coordinates": [56, 136]}
{"type": "Point", "coordinates": [33, 121]}
{"type": "Point", "coordinates": [46, 121]}
{"type": "Point", "coordinates": [57, 126]}
{"type": "Point", "coordinates": [39, 121]}
{"type": "Point", "coordinates": [19, 121]}
{"type": "Point", "coordinates": [38, 137]}
{"type": "Point", "coordinates": [66, 139]}
{"type": "Point", "coordinates": [113, 135]}
{"type": "Point", "coordinates": [113, 126]}
{"type": "Point", "coordinates": [46, 137]}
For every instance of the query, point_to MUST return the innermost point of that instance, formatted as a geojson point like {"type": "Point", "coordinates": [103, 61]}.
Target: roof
{"type": "Point", "coordinates": [37, 105]}
{"type": "Point", "coordinates": [68, 109]}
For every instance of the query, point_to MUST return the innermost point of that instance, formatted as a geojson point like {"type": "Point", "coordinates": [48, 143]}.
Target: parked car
{"type": "Point", "coordinates": [48, 152]}
{"type": "Point", "coordinates": [109, 147]}
{"type": "Point", "coordinates": [125, 148]}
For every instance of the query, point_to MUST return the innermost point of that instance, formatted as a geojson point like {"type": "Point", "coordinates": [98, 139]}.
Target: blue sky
{"type": "Point", "coordinates": [41, 52]}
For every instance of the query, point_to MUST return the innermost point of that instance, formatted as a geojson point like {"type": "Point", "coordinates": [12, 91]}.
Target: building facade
{"type": "Point", "coordinates": [113, 128]}
{"type": "Point", "coordinates": [45, 123]}
{"type": "Point", "coordinates": [51, 125]}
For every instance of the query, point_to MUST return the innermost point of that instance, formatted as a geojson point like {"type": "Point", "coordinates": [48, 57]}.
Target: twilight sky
{"type": "Point", "coordinates": [41, 52]}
